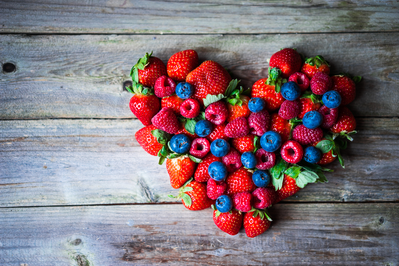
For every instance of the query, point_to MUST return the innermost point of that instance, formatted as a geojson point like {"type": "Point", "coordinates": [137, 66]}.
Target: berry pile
{"type": "Point", "coordinates": [241, 151]}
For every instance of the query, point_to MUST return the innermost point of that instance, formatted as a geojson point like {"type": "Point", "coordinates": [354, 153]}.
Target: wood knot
{"type": "Point", "coordinates": [125, 84]}
{"type": "Point", "coordinates": [76, 242]}
{"type": "Point", "coordinates": [381, 220]}
{"type": "Point", "coordinates": [82, 260]}
{"type": "Point", "coordinates": [9, 67]}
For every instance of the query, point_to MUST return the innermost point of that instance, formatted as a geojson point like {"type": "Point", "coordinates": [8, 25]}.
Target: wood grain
{"type": "Point", "coordinates": [82, 76]}
{"type": "Point", "coordinates": [301, 234]}
{"type": "Point", "coordinates": [121, 16]}
{"type": "Point", "coordinates": [73, 162]}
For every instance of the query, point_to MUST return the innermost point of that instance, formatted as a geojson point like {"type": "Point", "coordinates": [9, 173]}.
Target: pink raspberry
{"type": "Point", "coordinates": [289, 109]}
{"type": "Point", "coordinates": [232, 160]}
{"type": "Point", "coordinates": [263, 197]}
{"type": "Point", "coordinates": [321, 83]}
{"type": "Point", "coordinates": [330, 116]}
{"type": "Point", "coordinates": [259, 122]}
{"type": "Point", "coordinates": [264, 159]}
{"type": "Point", "coordinates": [215, 189]}
{"type": "Point", "coordinates": [164, 86]}
{"type": "Point", "coordinates": [242, 201]}
{"type": "Point", "coordinates": [301, 79]}
{"type": "Point", "coordinates": [217, 113]}
{"type": "Point", "coordinates": [292, 152]}
{"type": "Point", "coordinates": [307, 136]}
{"type": "Point", "coordinates": [237, 128]}
{"type": "Point", "coordinates": [190, 108]}
{"type": "Point", "coordinates": [200, 147]}
{"type": "Point", "coordinates": [166, 120]}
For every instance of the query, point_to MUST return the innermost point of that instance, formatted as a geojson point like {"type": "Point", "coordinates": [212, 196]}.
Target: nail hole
{"type": "Point", "coordinates": [381, 220]}
{"type": "Point", "coordinates": [9, 67]}
{"type": "Point", "coordinates": [127, 83]}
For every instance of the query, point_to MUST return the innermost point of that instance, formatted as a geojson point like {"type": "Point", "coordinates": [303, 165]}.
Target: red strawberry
{"type": "Point", "coordinates": [307, 105]}
{"type": "Point", "coordinates": [346, 122]}
{"type": "Point", "coordinates": [315, 64]}
{"type": "Point", "coordinates": [244, 144]}
{"type": "Point", "coordinates": [256, 222]}
{"type": "Point", "coordinates": [287, 60]}
{"type": "Point", "coordinates": [201, 173]}
{"type": "Point", "coordinates": [215, 189]}
{"type": "Point", "coordinates": [166, 120]}
{"type": "Point", "coordinates": [281, 126]}
{"type": "Point", "coordinates": [327, 157]}
{"type": "Point", "coordinates": [330, 116]}
{"type": "Point", "coordinates": [236, 111]}
{"type": "Point", "coordinates": [307, 136]}
{"type": "Point", "coordinates": [240, 181]}
{"type": "Point", "coordinates": [242, 201]}
{"type": "Point", "coordinates": [173, 102]}
{"type": "Point", "coordinates": [288, 189]}
{"type": "Point", "coordinates": [147, 70]}
{"type": "Point", "coordinates": [263, 197]}
{"type": "Point", "coordinates": [147, 140]}
{"type": "Point", "coordinates": [209, 78]}
{"type": "Point", "coordinates": [346, 88]}
{"type": "Point", "coordinates": [217, 133]}
{"type": "Point", "coordinates": [268, 93]}
{"type": "Point", "coordinates": [228, 222]}
{"type": "Point", "coordinates": [182, 63]}
{"type": "Point", "coordinates": [237, 128]}
{"type": "Point", "coordinates": [144, 105]}
{"type": "Point", "coordinates": [194, 196]}
{"type": "Point", "coordinates": [180, 170]}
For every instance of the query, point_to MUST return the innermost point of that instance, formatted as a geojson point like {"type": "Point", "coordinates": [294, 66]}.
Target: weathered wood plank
{"type": "Point", "coordinates": [82, 76]}
{"type": "Point", "coordinates": [73, 162]}
{"type": "Point", "coordinates": [205, 16]}
{"type": "Point", "coordinates": [301, 234]}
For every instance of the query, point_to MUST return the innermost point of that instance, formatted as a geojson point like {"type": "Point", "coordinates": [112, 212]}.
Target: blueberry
{"type": "Point", "coordinates": [180, 143]}
{"type": "Point", "coordinates": [203, 128]}
{"type": "Point", "coordinates": [332, 99]}
{"type": "Point", "coordinates": [248, 159]}
{"type": "Point", "coordinates": [312, 154]}
{"type": "Point", "coordinates": [261, 178]}
{"type": "Point", "coordinates": [184, 90]}
{"type": "Point", "coordinates": [270, 141]}
{"type": "Point", "coordinates": [220, 147]}
{"type": "Point", "coordinates": [224, 203]}
{"type": "Point", "coordinates": [290, 91]}
{"type": "Point", "coordinates": [217, 171]}
{"type": "Point", "coordinates": [256, 105]}
{"type": "Point", "coordinates": [312, 119]}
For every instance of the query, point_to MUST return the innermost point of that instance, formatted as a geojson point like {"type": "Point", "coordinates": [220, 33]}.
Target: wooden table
{"type": "Point", "coordinates": [77, 189]}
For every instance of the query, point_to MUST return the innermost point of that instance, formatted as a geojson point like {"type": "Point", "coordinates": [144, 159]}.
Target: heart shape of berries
{"type": "Point", "coordinates": [238, 150]}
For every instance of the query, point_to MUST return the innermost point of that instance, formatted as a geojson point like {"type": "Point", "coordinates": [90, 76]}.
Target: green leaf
{"type": "Point", "coordinates": [187, 189]}
{"type": "Point", "coordinates": [278, 182]}
{"type": "Point", "coordinates": [234, 101]}
{"type": "Point", "coordinates": [174, 156]}
{"type": "Point", "coordinates": [187, 199]}
{"type": "Point", "coordinates": [293, 171]}
{"type": "Point", "coordinates": [357, 79]}
{"type": "Point", "coordinates": [341, 160]}
{"type": "Point", "coordinates": [161, 136]}
{"type": "Point", "coordinates": [195, 159]}
{"type": "Point", "coordinates": [278, 169]}
{"type": "Point", "coordinates": [232, 86]}
{"type": "Point", "coordinates": [190, 126]}
{"type": "Point", "coordinates": [322, 178]}
{"type": "Point", "coordinates": [161, 160]}
{"type": "Point", "coordinates": [325, 145]}
{"type": "Point", "coordinates": [256, 143]}
{"type": "Point", "coordinates": [217, 213]}
{"type": "Point", "coordinates": [201, 116]}
{"type": "Point", "coordinates": [212, 99]}
{"type": "Point", "coordinates": [305, 178]}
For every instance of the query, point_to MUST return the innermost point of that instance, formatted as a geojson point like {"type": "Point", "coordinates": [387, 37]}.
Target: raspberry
{"type": "Point", "coordinates": [301, 79]}
{"type": "Point", "coordinates": [306, 136]}
{"type": "Point", "coordinates": [215, 189]}
{"type": "Point", "coordinates": [263, 197]}
{"type": "Point", "coordinates": [330, 116]}
{"type": "Point", "coordinates": [164, 86]}
{"type": "Point", "coordinates": [200, 147]}
{"type": "Point", "coordinates": [292, 152]}
{"type": "Point", "coordinates": [237, 128]}
{"type": "Point", "coordinates": [320, 83]}
{"type": "Point", "coordinates": [259, 122]}
{"type": "Point", "coordinates": [232, 160]}
{"type": "Point", "coordinates": [190, 108]}
{"type": "Point", "coordinates": [217, 113]}
{"type": "Point", "coordinates": [242, 201]}
{"type": "Point", "coordinates": [166, 120]}
{"type": "Point", "coordinates": [264, 159]}
{"type": "Point", "coordinates": [289, 109]}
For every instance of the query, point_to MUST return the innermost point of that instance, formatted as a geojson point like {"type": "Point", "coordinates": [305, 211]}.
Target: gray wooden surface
{"type": "Point", "coordinates": [73, 189]}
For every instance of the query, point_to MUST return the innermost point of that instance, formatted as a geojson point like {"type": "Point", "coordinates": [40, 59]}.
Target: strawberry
{"type": "Point", "coordinates": [240, 181]}
{"type": "Point", "coordinates": [228, 222]}
{"type": "Point", "coordinates": [193, 195]}
{"type": "Point", "coordinates": [173, 102]}
{"type": "Point", "coordinates": [238, 110]}
{"type": "Point", "coordinates": [331, 149]}
{"type": "Point", "coordinates": [287, 60]}
{"type": "Point", "coordinates": [144, 105]}
{"type": "Point", "coordinates": [315, 64]}
{"type": "Point", "coordinates": [166, 120]}
{"type": "Point", "coordinates": [215, 189]}
{"type": "Point", "coordinates": [272, 97]}
{"type": "Point", "coordinates": [182, 63]}
{"type": "Point", "coordinates": [209, 78]}
{"type": "Point", "coordinates": [147, 70]}
{"type": "Point", "coordinates": [281, 126]}
{"type": "Point", "coordinates": [288, 189]}
{"type": "Point", "coordinates": [346, 122]}
{"type": "Point", "coordinates": [307, 105]}
{"type": "Point", "coordinates": [256, 222]}
{"type": "Point", "coordinates": [217, 133]}
{"type": "Point", "coordinates": [184, 131]}
{"type": "Point", "coordinates": [346, 87]}
{"type": "Point", "coordinates": [180, 170]}
{"type": "Point", "coordinates": [327, 157]}
{"type": "Point", "coordinates": [201, 173]}
{"type": "Point", "coordinates": [244, 144]}
{"type": "Point", "coordinates": [147, 140]}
